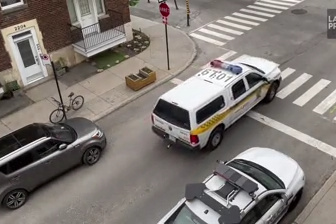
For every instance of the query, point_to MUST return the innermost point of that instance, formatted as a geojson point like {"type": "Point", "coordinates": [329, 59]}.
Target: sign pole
{"type": "Point", "coordinates": [166, 30]}
{"type": "Point", "coordinates": [58, 89]}
{"type": "Point", "coordinates": [188, 12]}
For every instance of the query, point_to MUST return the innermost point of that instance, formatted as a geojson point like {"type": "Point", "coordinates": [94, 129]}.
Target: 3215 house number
{"type": "Point", "coordinates": [20, 27]}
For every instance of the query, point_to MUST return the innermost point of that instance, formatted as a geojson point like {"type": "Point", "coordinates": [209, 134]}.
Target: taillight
{"type": "Point", "coordinates": [152, 118]}
{"type": "Point", "coordinates": [194, 139]}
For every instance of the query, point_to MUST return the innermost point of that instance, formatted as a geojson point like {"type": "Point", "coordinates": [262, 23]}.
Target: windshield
{"type": "Point", "coordinates": [62, 132]}
{"type": "Point", "coordinates": [251, 66]}
{"type": "Point", "coordinates": [184, 216]}
{"type": "Point", "coordinates": [259, 173]}
{"type": "Point", "coordinates": [172, 114]}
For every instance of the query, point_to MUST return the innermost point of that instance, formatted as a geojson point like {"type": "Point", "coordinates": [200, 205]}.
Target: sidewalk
{"type": "Point", "coordinates": [321, 209]}
{"type": "Point", "coordinates": [107, 91]}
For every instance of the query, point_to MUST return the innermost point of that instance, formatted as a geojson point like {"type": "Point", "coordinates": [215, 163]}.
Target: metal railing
{"type": "Point", "coordinates": [109, 28]}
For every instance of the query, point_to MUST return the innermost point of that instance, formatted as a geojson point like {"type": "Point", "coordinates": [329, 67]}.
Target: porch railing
{"type": "Point", "coordinates": [111, 27]}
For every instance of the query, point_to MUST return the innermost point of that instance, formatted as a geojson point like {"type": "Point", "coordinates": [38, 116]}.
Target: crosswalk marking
{"type": "Point", "coordinates": [233, 25]}
{"type": "Point", "coordinates": [257, 13]}
{"type": "Point", "coordinates": [313, 91]}
{"type": "Point", "coordinates": [293, 85]}
{"type": "Point", "coordinates": [293, 1]}
{"type": "Point", "coordinates": [263, 9]}
{"type": "Point", "coordinates": [225, 29]}
{"type": "Point", "coordinates": [224, 57]}
{"type": "Point", "coordinates": [270, 5]}
{"type": "Point", "coordinates": [241, 20]}
{"type": "Point", "coordinates": [249, 17]}
{"type": "Point", "coordinates": [326, 104]}
{"type": "Point", "coordinates": [207, 39]}
{"type": "Point", "coordinates": [176, 81]}
{"type": "Point", "coordinates": [287, 72]}
{"type": "Point", "coordinates": [223, 36]}
{"type": "Point", "coordinates": [278, 2]}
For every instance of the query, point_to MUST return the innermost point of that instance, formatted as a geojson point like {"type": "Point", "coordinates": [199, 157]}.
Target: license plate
{"type": "Point", "coordinates": [172, 138]}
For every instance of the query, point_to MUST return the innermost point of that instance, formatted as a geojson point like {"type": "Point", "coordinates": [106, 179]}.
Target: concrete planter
{"type": "Point", "coordinates": [145, 77]}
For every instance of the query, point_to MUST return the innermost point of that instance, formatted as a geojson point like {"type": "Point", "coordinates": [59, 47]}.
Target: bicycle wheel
{"type": "Point", "coordinates": [77, 102]}
{"type": "Point", "coordinates": [56, 116]}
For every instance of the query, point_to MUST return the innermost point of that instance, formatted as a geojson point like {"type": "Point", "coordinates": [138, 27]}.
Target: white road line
{"type": "Point", "coordinates": [223, 36]}
{"type": "Point", "coordinates": [225, 29]}
{"type": "Point", "coordinates": [293, 133]}
{"type": "Point", "coordinates": [249, 17]}
{"type": "Point", "coordinates": [326, 104]}
{"type": "Point", "coordinates": [207, 39]}
{"type": "Point", "coordinates": [257, 13]}
{"type": "Point", "coordinates": [224, 57]}
{"type": "Point", "coordinates": [241, 20]}
{"type": "Point", "coordinates": [278, 3]}
{"type": "Point", "coordinates": [233, 25]}
{"type": "Point", "coordinates": [271, 6]}
{"type": "Point", "coordinates": [287, 72]}
{"type": "Point", "coordinates": [313, 91]}
{"type": "Point", "coordinates": [291, 87]}
{"type": "Point", "coordinates": [263, 9]}
{"type": "Point", "coordinates": [293, 1]}
{"type": "Point", "coordinates": [176, 81]}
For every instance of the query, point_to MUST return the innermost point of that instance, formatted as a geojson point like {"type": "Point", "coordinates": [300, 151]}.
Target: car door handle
{"type": "Point", "coordinates": [76, 146]}
{"type": "Point", "coordinates": [47, 162]}
{"type": "Point", "coordinates": [269, 218]}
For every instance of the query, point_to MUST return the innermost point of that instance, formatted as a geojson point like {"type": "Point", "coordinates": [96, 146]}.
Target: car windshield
{"type": "Point", "coordinates": [61, 132]}
{"type": "Point", "coordinates": [251, 66]}
{"type": "Point", "coordinates": [172, 114]}
{"type": "Point", "coordinates": [265, 177]}
{"type": "Point", "coordinates": [184, 216]}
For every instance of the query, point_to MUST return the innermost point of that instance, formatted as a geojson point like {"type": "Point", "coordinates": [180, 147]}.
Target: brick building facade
{"type": "Point", "coordinates": [67, 29]}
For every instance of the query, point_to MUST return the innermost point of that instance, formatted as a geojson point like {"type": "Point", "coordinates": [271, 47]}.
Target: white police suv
{"type": "Point", "coordinates": [195, 113]}
{"type": "Point", "coordinates": [258, 186]}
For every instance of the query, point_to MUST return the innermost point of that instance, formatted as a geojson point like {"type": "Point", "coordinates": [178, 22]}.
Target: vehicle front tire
{"type": "Point", "coordinates": [295, 200]}
{"type": "Point", "coordinates": [271, 93]}
{"type": "Point", "coordinates": [215, 138]}
{"type": "Point", "coordinates": [15, 199]}
{"type": "Point", "coordinates": [91, 156]}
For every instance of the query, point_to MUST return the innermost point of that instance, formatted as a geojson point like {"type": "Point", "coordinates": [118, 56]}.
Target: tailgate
{"type": "Point", "coordinates": [173, 131]}
{"type": "Point", "coordinates": [265, 65]}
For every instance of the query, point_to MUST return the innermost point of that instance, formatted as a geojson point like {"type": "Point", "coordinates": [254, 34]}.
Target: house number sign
{"type": "Point", "coordinates": [19, 27]}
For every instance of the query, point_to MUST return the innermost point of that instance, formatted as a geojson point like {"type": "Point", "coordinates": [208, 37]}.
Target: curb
{"type": "Point", "coordinates": [157, 84]}
{"type": "Point", "coordinates": [315, 200]}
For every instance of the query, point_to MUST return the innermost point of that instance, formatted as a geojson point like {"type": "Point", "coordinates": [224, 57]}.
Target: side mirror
{"type": "Point", "coordinates": [62, 146]}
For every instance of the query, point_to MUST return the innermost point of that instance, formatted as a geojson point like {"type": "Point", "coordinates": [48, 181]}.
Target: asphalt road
{"type": "Point", "coordinates": [138, 180]}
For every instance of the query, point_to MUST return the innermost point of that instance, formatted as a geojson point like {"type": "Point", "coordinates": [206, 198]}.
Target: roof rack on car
{"type": "Point", "coordinates": [229, 215]}
{"type": "Point", "coordinates": [236, 179]}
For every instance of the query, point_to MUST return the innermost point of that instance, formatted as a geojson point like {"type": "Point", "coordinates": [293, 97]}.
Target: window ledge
{"type": "Point", "coordinates": [14, 9]}
{"type": "Point", "coordinates": [104, 16]}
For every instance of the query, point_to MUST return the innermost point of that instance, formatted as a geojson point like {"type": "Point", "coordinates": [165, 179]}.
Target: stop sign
{"type": "Point", "coordinates": [164, 10]}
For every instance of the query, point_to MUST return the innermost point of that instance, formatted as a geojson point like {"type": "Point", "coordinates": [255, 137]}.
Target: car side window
{"type": "Point", "coordinates": [209, 109]}
{"type": "Point", "coordinates": [251, 217]}
{"type": "Point", "coordinates": [20, 162]}
{"type": "Point", "coordinates": [265, 204]}
{"type": "Point", "coordinates": [46, 148]}
{"type": "Point", "coordinates": [253, 79]}
{"type": "Point", "coordinates": [238, 89]}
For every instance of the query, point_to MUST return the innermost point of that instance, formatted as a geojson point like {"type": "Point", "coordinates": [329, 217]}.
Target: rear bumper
{"type": "Point", "coordinates": [165, 136]}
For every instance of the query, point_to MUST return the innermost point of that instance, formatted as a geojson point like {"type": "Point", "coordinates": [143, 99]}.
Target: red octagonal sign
{"type": "Point", "coordinates": [164, 9]}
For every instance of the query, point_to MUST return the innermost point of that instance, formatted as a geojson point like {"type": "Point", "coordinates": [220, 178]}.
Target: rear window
{"type": "Point", "coordinates": [172, 114]}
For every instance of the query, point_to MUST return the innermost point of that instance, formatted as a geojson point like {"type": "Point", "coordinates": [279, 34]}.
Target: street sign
{"type": "Point", "coordinates": [164, 9]}
{"type": "Point", "coordinates": [165, 20]}
{"type": "Point", "coordinates": [45, 59]}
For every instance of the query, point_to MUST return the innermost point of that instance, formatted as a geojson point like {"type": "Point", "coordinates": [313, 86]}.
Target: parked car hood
{"type": "Point", "coordinates": [82, 126]}
{"type": "Point", "coordinates": [278, 163]}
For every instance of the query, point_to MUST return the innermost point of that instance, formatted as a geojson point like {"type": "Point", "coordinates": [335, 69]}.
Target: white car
{"type": "Point", "coordinates": [258, 186]}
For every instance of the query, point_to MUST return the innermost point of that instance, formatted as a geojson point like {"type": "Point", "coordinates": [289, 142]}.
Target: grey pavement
{"type": "Point", "coordinates": [107, 91]}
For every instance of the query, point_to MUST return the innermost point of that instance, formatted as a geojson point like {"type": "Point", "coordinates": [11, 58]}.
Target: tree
{"type": "Point", "coordinates": [133, 2]}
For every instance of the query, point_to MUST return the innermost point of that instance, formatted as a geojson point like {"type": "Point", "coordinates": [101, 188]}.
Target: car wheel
{"type": "Point", "coordinates": [215, 138]}
{"type": "Point", "coordinates": [295, 200]}
{"type": "Point", "coordinates": [15, 199]}
{"type": "Point", "coordinates": [91, 156]}
{"type": "Point", "coordinates": [271, 93]}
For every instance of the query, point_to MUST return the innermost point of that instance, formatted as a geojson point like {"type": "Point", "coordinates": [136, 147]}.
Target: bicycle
{"type": "Point", "coordinates": [75, 103]}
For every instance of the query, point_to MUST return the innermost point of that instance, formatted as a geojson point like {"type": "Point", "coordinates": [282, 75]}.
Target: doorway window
{"type": "Point", "coordinates": [79, 8]}
{"type": "Point", "coordinates": [26, 53]}
{"type": "Point", "coordinates": [7, 4]}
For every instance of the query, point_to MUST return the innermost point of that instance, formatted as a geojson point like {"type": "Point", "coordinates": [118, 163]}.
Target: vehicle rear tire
{"type": "Point", "coordinates": [295, 200]}
{"type": "Point", "coordinates": [271, 93]}
{"type": "Point", "coordinates": [15, 199]}
{"type": "Point", "coordinates": [91, 156]}
{"type": "Point", "coordinates": [215, 138]}
{"type": "Point", "coordinates": [56, 116]}
{"type": "Point", "coordinates": [77, 102]}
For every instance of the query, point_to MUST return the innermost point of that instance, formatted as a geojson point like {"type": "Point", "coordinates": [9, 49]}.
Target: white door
{"type": "Point", "coordinates": [28, 59]}
{"type": "Point", "coordinates": [88, 17]}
